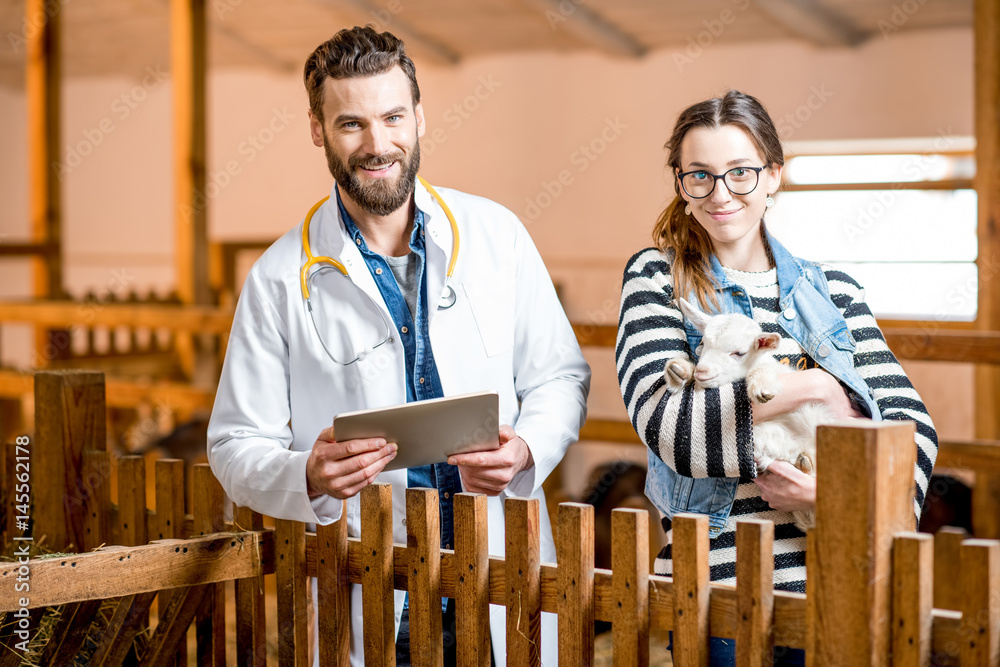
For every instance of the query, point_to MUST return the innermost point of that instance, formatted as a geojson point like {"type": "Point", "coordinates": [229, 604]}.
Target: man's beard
{"type": "Point", "coordinates": [378, 197]}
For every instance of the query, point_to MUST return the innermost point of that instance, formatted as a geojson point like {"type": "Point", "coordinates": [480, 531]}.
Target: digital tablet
{"type": "Point", "coordinates": [428, 431]}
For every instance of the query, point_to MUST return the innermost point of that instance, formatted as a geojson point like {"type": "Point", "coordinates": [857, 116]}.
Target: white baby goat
{"type": "Point", "coordinates": [734, 347]}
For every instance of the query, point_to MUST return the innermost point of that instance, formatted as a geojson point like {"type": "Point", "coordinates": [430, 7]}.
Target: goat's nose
{"type": "Point", "coordinates": [704, 374]}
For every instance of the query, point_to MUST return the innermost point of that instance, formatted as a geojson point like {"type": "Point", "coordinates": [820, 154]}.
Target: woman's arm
{"type": "Point", "coordinates": [697, 432]}
{"type": "Point", "coordinates": [809, 386]}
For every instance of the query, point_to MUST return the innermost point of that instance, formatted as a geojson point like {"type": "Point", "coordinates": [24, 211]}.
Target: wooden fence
{"type": "Point", "coordinates": [869, 597]}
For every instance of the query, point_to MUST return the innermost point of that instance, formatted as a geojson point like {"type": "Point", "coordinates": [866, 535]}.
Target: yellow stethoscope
{"type": "Point", "coordinates": [448, 296]}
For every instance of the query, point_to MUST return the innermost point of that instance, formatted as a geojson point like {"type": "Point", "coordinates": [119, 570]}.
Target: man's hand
{"type": "Point", "coordinates": [786, 488]}
{"type": "Point", "coordinates": [342, 469]}
{"type": "Point", "coordinates": [490, 472]}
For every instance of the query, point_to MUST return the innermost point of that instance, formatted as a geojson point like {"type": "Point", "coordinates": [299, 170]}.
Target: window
{"type": "Point", "coordinates": [899, 216]}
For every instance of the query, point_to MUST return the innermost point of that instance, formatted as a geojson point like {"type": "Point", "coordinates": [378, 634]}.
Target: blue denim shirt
{"type": "Point", "coordinates": [810, 317]}
{"type": "Point", "coordinates": [422, 380]}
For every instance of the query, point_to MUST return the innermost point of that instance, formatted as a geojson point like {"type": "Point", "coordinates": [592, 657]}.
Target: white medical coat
{"type": "Point", "coordinates": [506, 332]}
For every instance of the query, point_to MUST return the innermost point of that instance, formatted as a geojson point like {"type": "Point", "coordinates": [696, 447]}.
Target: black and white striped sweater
{"type": "Point", "coordinates": [709, 432]}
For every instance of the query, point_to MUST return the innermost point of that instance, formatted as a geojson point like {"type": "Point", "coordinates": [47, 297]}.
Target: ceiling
{"type": "Point", "coordinates": [103, 37]}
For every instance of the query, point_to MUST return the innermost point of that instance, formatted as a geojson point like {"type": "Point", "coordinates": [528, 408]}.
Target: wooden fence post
{"type": "Point", "coordinates": [912, 599]}
{"type": "Point", "coordinates": [170, 517]}
{"type": "Point", "coordinates": [423, 550]}
{"type": "Point", "coordinates": [251, 644]}
{"type": "Point", "coordinates": [691, 590]}
{"type": "Point", "coordinates": [210, 626]}
{"type": "Point", "coordinates": [864, 497]}
{"type": "Point", "coordinates": [377, 600]}
{"type": "Point", "coordinates": [334, 593]}
{"type": "Point", "coordinates": [980, 582]}
{"type": "Point", "coordinates": [630, 586]}
{"type": "Point", "coordinates": [523, 582]}
{"type": "Point", "coordinates": [575, 522]}
{"type": "Point", "coordinates": [754, 593]}
{"type": "Point", "coordinates": [69, 420]}
{"type": "Point", "coordinates": [472, 590]}
{"type": "Point", "coordinates": [293, 609]}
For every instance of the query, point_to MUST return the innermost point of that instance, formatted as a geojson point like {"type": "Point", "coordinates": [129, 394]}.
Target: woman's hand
{"type": "Point", "coordinates": [813, 385]}
{"type": "Point", "coordinates": [786, 488]}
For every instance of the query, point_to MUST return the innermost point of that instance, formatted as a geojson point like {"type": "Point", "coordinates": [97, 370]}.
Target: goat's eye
{"type": "Point", "coordinates": [738, 354]}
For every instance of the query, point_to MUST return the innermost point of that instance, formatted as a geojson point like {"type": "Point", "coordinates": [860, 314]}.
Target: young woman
{"type": "Point", "coordinates": [712, 248]}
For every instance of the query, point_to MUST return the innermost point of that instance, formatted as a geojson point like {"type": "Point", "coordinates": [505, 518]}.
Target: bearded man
{"type": "Point", "coordinates": [409, 314]}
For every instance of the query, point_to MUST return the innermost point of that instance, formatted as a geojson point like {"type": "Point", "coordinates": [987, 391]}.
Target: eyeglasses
{"type": "Point", "coordinates": [740, 181]}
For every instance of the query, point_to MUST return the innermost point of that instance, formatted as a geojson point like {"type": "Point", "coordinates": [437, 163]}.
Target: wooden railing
{"type": "Point", "coordinates": [868, 599]}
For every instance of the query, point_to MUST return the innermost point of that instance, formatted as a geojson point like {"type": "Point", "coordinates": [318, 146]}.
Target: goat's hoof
{"type": "Point", "coordinates": [678, 372]}
{"type": "Point", "coordinates": [763, 396]}
{"type": "Point", "coordinates": [805, 464]}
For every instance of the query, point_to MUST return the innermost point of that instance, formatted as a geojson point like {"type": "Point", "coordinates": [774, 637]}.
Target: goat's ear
{"type": "Point", "coordinates": [768, 341]}
{"type": "Point", "coordinates": [693, 315]}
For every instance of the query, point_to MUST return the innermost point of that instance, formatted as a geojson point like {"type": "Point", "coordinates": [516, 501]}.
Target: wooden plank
{"type": "Point", "coordinates": [191, 318]}
{"type": "Point", "coordinates": [754, 592]}
{"type": "Point", "coordinates": [132, 500]}
{"type": "Point", "coordinates": [69, 633]}
{"type": "Point", "coordinates": [293, 608]}
{"type": "Point", "coordinates": [131, 570]}
{"type": "Point", "coordinates": [169, 523]}
{"type": "Point", "coordinates": [69, 419]}
{"type": "Point", "coordinates": [691, 589]}
{"type": "Point", "coordinates": [377, 602]}
{"type": "Point", "coordinates": [173, 625]}
{"type": "Point", "coordinates": [912, 599]}
{"type": "Point", "coordinates": [986, 491]}
{"type": "Point", "coordinates": [251, 644]}
{"type": "Point", "coordinates": [95, 496]}
{"type": "Point", "coordinates": [43, 86]}
{"type": "Point", "coordinates": [980, 583]}
{"type": "Point", "coordinates": [575, 555]}
{"type": "Point", "coordinates": [630, 586]}
{"type": "Point", "coordinates": [978, 455]}
{"type": "Point", "coordinates": [423, 550]}
{"type": "Point", "coordinates": [334, 604]}
{"type": "Point", "coordinates": [961, 346]}
{"type": "Point", "coordinates": [209, 517]}
{"type": "Point", "coordinates": [8, 475]}
{"type": "Point", "coordinates": [131, 616]}
{"type": "Point", "coordinates": [954, 346]}
{"type": "Point", "coordinates": [859, 507]}
{"type": "Point", "coordinates": [789, 608]}
{"type": "Point", "coordinates": [471, 581]}
{"type": "Point", "coordinates": [947, 561]}
{"type": "Point", "coordinates": [523, 581]}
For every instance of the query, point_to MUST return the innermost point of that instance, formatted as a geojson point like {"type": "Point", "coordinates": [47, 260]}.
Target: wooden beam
{"type": "Point", "coordinates": [73, 314]}
{"type": "Point", "coordinates": [812, 21]}
{"type": "Point", "coordinates": [120, 571]}
{"type": "Point", "coordinates": [951, 184]}
{"type": "Point", "coordinates": [124, 393]}
{"type": "Point", "coordinates": [417, 42]}
{"type": "Point", "coordinates": [42, 83]}
{"type": "Point", "coordinates": [965, 346]}
{"type": "Point", "coordinates": [986, 492]}
{"type": "Point", "coordinates": [590, 27]}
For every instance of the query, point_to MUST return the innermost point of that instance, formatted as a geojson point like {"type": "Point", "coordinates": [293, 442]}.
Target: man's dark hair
{"type": "Point", "coordinates": [355, 52]}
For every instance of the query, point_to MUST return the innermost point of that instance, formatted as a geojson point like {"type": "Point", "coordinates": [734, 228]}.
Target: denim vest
{"type": "Point", "coordinates": [814, 322]}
